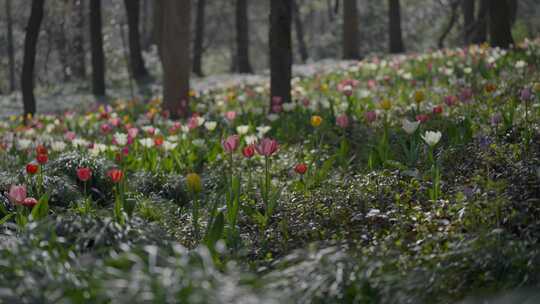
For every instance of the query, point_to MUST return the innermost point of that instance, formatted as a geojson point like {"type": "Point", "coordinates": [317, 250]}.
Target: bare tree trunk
{"type": "Point", "coordinates": [198, 47]}
{"type": "Point", "coordinates": [29, 61]}
{"type": "Point", "coordinates": [350, 30]}
{"type": "Point", "coordinates": [242, 64]}
{"type": "Point", "coordinates": [500, 23]}
{"type": "Point", "coordinates": [480, 29]}
{"type": "Point", "coordinates": [394, 16]}
{"type": "Point", "coordinates": [280, 49]}
{"type": "Point", "coordinates": [467, 7]}
{"type": "Point", "coordinates": [299, 27]}
{"type": "Point", "coordinates": [10, 48]}
{"type": "Point", "coordinates": [173, 35]}
{"type": "Point", "coordinates": [138, 69]}
{"type": "Point", "coordinates": [448, 29]}
{"type": "Point", "coordinates": [147, 8]}
{"type": "Point", "coordinates": [59, 37]}
{"type": "Point", "coordinates": [98, 55]}
{"type": "Point", "coordinates": [78, 65]}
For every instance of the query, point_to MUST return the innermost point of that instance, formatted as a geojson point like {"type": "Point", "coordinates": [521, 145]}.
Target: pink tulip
{"type": "Point", "coordinates": [231, 143]}
{"type": "Point", "coordinates": [17, 194]}
{"type": "Point", "coordinates": [230, 115]}
{"type": "Point", "coordinates": [267, 147]}
{"type": "Point", "coordinates": [370, 116]}
{"type": "Point", "coordinates": [70, 135]}
{"type": "Point", "coordinates": [132, 132]}
{"type": "Point", "coordinates": [342, 121]}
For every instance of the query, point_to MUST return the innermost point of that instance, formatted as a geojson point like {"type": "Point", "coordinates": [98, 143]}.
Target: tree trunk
{"type": "Point", "coordinates": [242, 63]}
{"type": "Point", "coordinates": [479, 35]}
{"type": "Point", "coordinates": [198, 47]}
{"type": "Point", "coordinates": [173, 36]}
{"type": "Point", "coordinates": [467, 6]}
{"type": "Point", "coordinates": [61, 41]}
{"type": "Point", "coordinates": [500, 23]}
{"type": "Point", "coordinates": [299, 27]}
{"type": "Point", "coordinates": [98, 55]}
{"type": "Point", "coordinates": [280, 49]}
{"type": "Point", "coordinates": [138, 69]}
{"type": "Point", "coordinates": [10, 48]}
{"type": "Point", "coordinates": [29, 61]}
{"type": "Point", "coordinates": [451, 22]}
{"type": "Point", "coordinates": [78, 64]}
{"type": "Point", "coordinates": [350, 30]}
{"type": "Point", "coordinates": [394, 16]}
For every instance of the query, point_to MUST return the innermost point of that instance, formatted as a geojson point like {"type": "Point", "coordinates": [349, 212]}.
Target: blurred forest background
{"type": "Point", "coordinates": [65, 31]}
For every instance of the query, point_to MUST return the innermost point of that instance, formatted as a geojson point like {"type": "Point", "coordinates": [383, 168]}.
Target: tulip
{"type": "Point", "coordinates": [409, 126]}
{"type": "Point", "coordinates": [316, 120]}
{"type": "Point", "coordinates": [231, 143]}
{"type": "Point", "coordinates": [40, 149]}
{"type": "Point", "coordinates": [438, 109]}
{"type": "Point", "coordinates": [301, 168]}
{"type": "Point", "coordinates": [370, 116]}
{"type": "Point", "coordinates": [17, 194]}
{"type": "Point", "coordinates": [342, 121]}
{"type": "Point", "coordinates": [422, 118]}
{"type": "Point", "coordinates": [193, 181]}
{"type": "Point", "coordinates": [432, 137]}
{"type": "Point", "coordinates": [267, 147]}
{"type": "Point", "coordinates": [84, 174]}
{"type": "Point", "coordinates": [115, 175]}
{"type": "Point", "coordinates": [386, 104]}
{"type": "Point", "coordinates": [248, 151]}
{"type": "Point", "coordinates": [42, 158]}
{"type": "Point", "coordinates": [29, 202]}
{"type": "Point", "coordinates": [419, 96]}
{"type": "Point", "coordinates": [32, 168]}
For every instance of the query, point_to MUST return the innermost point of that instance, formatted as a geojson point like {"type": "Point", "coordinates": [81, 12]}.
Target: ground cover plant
{"type": "Point", "coordinates": [401, 179]}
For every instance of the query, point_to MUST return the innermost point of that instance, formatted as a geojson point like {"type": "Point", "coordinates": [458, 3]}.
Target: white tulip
{"type": "Point", "coordinates": [241, 130]}
{"type": "Point", "coordinates": [409, 126]}
{"type": "Point", "coordinates": [432, 137]}
{"type": "Point", "coordinates": [120, 138]}
{"type": "Point", "coordinates": [168, 146]}
{"type": "Point", "coordinates": [146, 142]}
{"type": "Point", "coordinates": [58, 146]}
{"type": "Point", "coordinates": [210, 125]}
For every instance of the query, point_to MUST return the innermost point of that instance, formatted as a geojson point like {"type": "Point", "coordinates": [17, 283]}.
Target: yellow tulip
{"type": "Point", "coordinates": [386, 104]}
{"type": "Point", "coordinates": [316, 121]}
{"type": "Point", "coordinates": [193, 181]}
{"type": "Point", "coordinates": [419, 96]}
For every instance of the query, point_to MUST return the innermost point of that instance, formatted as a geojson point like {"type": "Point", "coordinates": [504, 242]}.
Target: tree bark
{"type": "Point", "coordinates": [500, 23]}
{"type": "Point", "coordinates": [451, 22]}
{"type": "Point", "coordinates": [10, 47]}
{"type": "Point", "coordinates": [138, 69]}
{"type": "Point", "coordinates": [173, 36]}
{"type": "Point", "coordinates": [350, 30]}
{"type": "Point", "coordinates": [468, 6]}
{"type": "Point", "coordinates": [198, 47]}
{"type": "Point", "coordinates": [299, 27]}
{"type": "Point", "coordinates": [394, 16]}
{"type": "Point", "coordinates": [61, 41]}
{"type": "Point", "coordinates": [479, 35]}
{"type": "Point", "coordinates": [29, 61]}
{"type": "Point", "coordinates": [78, 64]}
{"type": "Point", "coordinates": [98, 55]}
{"type": "Point", "coordinates": [280, 49]}
{"type": "Point", "coordinates": [242, 63]}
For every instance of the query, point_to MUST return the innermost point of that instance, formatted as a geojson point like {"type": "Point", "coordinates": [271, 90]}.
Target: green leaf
{"type": "Point", "coordinates": [41, 209]}
{"type": "Point", "coordinates": [215, 233]}
{"type": "Point", "coordinates": [6, 218]}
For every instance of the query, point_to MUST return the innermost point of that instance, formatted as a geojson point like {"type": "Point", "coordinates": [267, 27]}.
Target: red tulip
{"type": "Point", "coordinates": [32, 168]}
{"type": "Point", "coordinates": [438, 109]}
{"type": "Point", "coordinates": [84, 174]}
{"type": "Point", "coordinates": [29, 202]}
{"type": "Point", "coordinates": [342, 121]}
{"type": "Point", "coordinates": [231, 143]}
{"type": "Point", "coordinates": [40, 149]}
{"type": "Point", "coordinates": [42, 158]}
{"type": "Point", "coordinates": [248, 151]}
{"type": "Point", "coordinates": [267, 147]}
{"type": "Point", "coordinates": [158, 140]}
{"type": "Point", "coordinates": [115, 175]}
{"type": "Point", "coordinates": [422, 118]}
{"type": "Point", "coordinates": [301, 168]}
